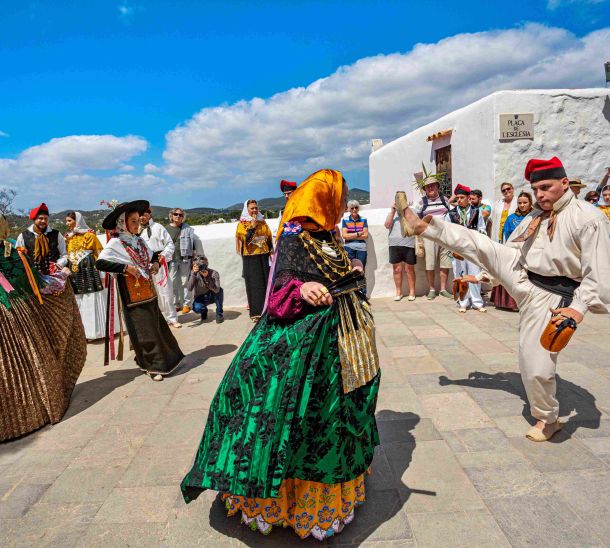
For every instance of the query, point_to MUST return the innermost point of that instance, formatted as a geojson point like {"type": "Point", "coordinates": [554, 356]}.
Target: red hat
{"type": "Point", "coordinates": [539, 170]}
{"type": "Point", "coordinates": [287, 186]}
{"type": "Point", "coordinates": [461, 189]}
{"type": "Point", "coordinates": [41, 209]}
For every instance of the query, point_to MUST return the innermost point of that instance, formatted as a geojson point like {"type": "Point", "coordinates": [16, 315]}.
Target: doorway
{"type": "Point", "coordinates": [443, 165]}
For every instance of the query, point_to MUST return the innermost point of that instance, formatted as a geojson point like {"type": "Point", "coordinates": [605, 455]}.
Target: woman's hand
{"type": "Point", "coordinates": [133, 271]}
{"type": "Point", "coordinates": [470, 279]}
{"type": "Point", "coordinates": [315, 294]}
{"type": "Point", "coordinates": [154, 267]}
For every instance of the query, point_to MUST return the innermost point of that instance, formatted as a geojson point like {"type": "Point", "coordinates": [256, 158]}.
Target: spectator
{"type": "Point", "coordinates": [499, 296]}
{"type": "Point", "coordinates": [501, 210]}
{"type": "Point", "coordinates": [205, 284]}
{"type": "Point", "coordinates": [604, 181]}
{"type": "Point", "coordinates": [186, 246]}
{"type": "Point", "coordinates": [592, 196]}
{"type": "Point", "coordinates": [475, 199]}
{"type": "Point", "coordinates": [254, 243]}
{"type": "Point", "coordinates": [469, 216]}
{"type": "Point", "coordinates": [402, 255]}
{"type": "Point", "coordinates": [576, 185]}
{"type": "Point", "coordinates": [604, 202]}
{"type": "Point", "coordinates": [355, 231]}
{"type": "Point", "coordinates": [434, 203]}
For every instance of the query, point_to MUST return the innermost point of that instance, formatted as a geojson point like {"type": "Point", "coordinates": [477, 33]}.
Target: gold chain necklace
{"type": "Point", "coordinates": [324, 262]}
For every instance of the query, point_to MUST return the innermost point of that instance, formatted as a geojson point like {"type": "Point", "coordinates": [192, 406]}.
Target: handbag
{"type": "Point", "coordinates": [139, 290]}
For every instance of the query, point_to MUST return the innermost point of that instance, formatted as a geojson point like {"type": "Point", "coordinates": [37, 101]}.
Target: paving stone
{"type": "Point", "coordinates": [114, 445]}
{"type": "Point", "coordinates": [54, 525]}
{"type": "Point", "coordinates": [177, 428]}
{"type": "Point", "coordinates": [510, 480]}
{"type": "Point", "coordinates": [406, 430]}
{"type": "Point", "coordinates": [432, 478]}
{"type": "Point", "coordinates": [561, 453]}
{"type": "Point", "coordinates": [150, 504]}
{"type": "Point", "coordinates": [38, 467]}
{"type": "Point", "coordinates": [545, 521]}
{"type": "Point", "coordinates": [588, 494]}
{"type": "Point", "coordinates": [490, 459]}
{"type": "Point", "coordinates": [82, 485]}
{"type": "Point", "coordinates": [431, 384]}
{"type": "Point", "coordinates": [457, 529]}
{"type": "Point", "coordinates": [455, 411]}
{"type": "Point", "coordinates": [158, 466]}
{"type": "Point", "coordinates": [17, 500]}
{"type": "Point", "coordinates": [476, 439]}
{"type": "Point", "coordinates": [513, 427]}
{"type": "Point", "coordinates": [133, 535]}
{"type": "Point", "coordinates": [147, 409]}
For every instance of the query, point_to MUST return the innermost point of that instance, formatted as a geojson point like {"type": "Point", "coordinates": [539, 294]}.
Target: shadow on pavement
{"type": "Point", "coordinates": [572, 398]}
{"type": "Point", "coordinates": [199, 357]}
{"type": "Point", "coordinates": [386, 494]}
{"type": "Point", "coordinates": [88, 393]}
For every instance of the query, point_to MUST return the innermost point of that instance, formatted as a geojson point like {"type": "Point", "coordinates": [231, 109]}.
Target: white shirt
{"type": "Point", "coordinates": [61, 244]}
{"type": "Point", "coordinates": [580, 250]}
{"type": "Point", "coordinates": [159, 240]}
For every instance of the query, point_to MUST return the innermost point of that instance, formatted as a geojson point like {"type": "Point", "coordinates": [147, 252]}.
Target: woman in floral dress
{"type": "Point", "coordinates": [291, 431]}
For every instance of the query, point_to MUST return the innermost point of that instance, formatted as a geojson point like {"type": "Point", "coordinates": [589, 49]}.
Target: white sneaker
{"type": "Point", "coordinates": [175, 325]}
{"type": "Point", "coordinates": [482, 309]}
{"type": "Point", "coordinates": [156, 377]}
{"type": "Point", "coordinates": [398, 297]}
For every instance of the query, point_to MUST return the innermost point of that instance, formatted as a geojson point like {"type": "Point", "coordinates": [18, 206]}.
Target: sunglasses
{"type": "Point", "coordinates": [178, 214]}
{"type": "Point", "coordinates": [354, 208]}
{"type": "Point", "coordinates": [507, 189]}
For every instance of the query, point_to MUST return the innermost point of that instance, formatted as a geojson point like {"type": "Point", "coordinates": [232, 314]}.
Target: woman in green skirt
{"type": "Point", "coordinates": [291, 431]}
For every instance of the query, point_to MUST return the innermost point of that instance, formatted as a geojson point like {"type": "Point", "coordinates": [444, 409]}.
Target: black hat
{"type": "Point", "coordinates": [141, 206]}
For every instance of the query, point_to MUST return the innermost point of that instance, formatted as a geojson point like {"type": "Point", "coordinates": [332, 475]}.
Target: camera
{"type": "Point", "coordinates": [202, 263]}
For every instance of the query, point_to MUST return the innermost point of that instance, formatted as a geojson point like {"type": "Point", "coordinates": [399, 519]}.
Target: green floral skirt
{"type": "Point", "coordinates": [280, 412]}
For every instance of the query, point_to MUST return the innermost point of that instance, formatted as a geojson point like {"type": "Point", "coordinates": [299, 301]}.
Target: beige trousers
{"type": "Point", "coordinates": [537, 365]}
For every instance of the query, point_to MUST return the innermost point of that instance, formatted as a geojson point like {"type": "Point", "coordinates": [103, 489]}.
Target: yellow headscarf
{"type": "Point", "coordinates": [318, 199]}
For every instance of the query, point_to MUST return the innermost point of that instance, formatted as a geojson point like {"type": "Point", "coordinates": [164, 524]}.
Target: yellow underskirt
{"type": "Point", "coordinates": [309, 507]}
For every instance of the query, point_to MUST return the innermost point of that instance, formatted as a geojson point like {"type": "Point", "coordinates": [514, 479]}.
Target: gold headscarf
{"type": "Point", "coordinates": [318, 199]}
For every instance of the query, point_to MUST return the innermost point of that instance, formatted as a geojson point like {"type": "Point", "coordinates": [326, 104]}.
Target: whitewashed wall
{"type": "Point", "coordinates": [571, 124]}
{"type": "Point", "coordinates": [219, 246]}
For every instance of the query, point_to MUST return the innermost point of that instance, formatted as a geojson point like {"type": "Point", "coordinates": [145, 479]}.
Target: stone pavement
{"type": "Point", "coordinates": [454, 468]}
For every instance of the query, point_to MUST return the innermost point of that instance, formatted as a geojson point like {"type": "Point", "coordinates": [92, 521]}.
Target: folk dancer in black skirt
{"type": "Point", "coordinates": [133, 263]}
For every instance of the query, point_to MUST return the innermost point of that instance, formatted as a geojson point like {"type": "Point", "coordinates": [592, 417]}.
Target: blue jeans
{"type": "Point", "coordinates": [356, 254]}
{"type": "Point", "coordinates": [200, 304]}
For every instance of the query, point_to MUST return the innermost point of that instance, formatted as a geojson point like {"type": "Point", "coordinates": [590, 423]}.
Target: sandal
{"type": "Point", "coordinates": [535, 434]}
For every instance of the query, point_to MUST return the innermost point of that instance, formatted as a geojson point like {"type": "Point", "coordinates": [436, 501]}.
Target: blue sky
{"type": "Point", "coordinates": [161, 93]}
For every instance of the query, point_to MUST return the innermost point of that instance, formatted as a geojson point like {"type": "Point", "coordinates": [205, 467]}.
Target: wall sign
{"type": "Point", "coordinates": [517, 126]}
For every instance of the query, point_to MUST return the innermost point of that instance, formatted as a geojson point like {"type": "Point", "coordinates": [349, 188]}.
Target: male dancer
{"type": "Point", "coordinates": [557, 260]}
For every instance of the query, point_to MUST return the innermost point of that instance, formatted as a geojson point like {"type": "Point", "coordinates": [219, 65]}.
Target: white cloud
{"type": "Point", "coordinates": [72, 155]}
{"type": "Point", "coordinates": [70, 166]}
{"type": "Point", "coordinates": [330, 122]}
{"type": "Point", "coordinates": [4, 134]}
{"type": "Point", "coordinates": [126, 168]}
{"type": "Point", "coordinates": [151, 168]}
{"type": "Point", "coordinates": [126, 12]}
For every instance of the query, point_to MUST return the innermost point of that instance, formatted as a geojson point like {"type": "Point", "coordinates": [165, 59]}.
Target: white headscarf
{"type": "Point", "coordinates": [601, 200]}
{"type": "Point", "coordinates": [246, 217]}
{"type": "Point", "coordinates": [80, 227]}
{"type": "Point", "coordinates": [115, 250]}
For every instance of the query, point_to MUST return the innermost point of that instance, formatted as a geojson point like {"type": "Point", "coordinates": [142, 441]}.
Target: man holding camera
{"type": "Point", "coordinates": [205, 284]}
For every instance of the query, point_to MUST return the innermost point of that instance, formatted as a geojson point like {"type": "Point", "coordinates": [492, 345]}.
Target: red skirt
{"type": "Point", "coordinates": [502, 299]}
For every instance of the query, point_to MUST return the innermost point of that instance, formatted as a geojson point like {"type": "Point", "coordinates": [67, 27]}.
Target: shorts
{"type": "Point", "coordinates": [435, 254]}
{"type": "Point", "coordinates": [402, 254]}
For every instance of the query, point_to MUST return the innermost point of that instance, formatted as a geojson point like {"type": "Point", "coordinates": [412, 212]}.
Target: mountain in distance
{"type": "Point", "coordinates": [363, 196]}
{"type": "Point", "coordinates": [95, 217]}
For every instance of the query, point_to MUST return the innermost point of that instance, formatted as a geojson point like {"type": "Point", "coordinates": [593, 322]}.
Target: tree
{"type": "Point", "coordinates": [7, 196]}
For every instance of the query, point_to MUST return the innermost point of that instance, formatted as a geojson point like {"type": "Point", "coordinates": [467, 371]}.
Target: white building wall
{"type": "Point", "coordinates": [571, 124]}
